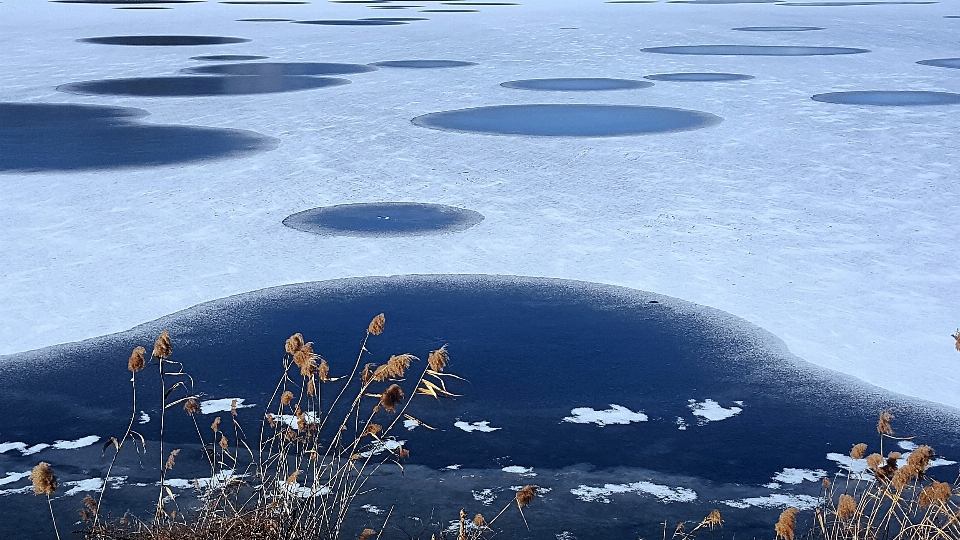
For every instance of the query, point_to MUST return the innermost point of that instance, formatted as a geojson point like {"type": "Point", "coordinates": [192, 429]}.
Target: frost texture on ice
{"type": "Point", "coordinates": [616, 414]}
{"type": "Point", "coordinates": [776, 500]}
{"type": "Point", "coordinates": [483, 427]}
{"type": "Point", "coordinates": [666, 494]}
{"type": "Point", "coordinates": [709, 410]}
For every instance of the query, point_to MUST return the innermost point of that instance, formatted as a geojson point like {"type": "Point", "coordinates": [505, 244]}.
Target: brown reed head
{"type": "Point", "coordinates": [391, 397]}
{"type": "Point", "coordinates": [191, 406]}
{"type": "Point", "coordinates": [294, 343]}
{"type": "Point", "coordinates": [478, 521]}
{"type": "Point", "coordinates": [43, 479]}
{"type": "Point", "coordinates": [712, 520]}
{"type": "Point", "coordinates": [786, 524]}
{"type": "Point", "coordinates": [172, 459]}
{"type": "Point", "coordinates": [162, 348]}
{"type": "Point", "coordinates": [920, 458]}
{"type": "Point", "coordinates": [526, 495]}
{"type": "Point", "coordinates": [883, 424]}
{"type": "Point", "coordinates": [136, 362]}
{"type": "Point", "coordinates": [846, 506]}
{"type": "Point", "coordinates": [858, 450]}
{"type": "Point", "coordinates": [874, 460]}
{"type": "Point", "coordinates": [438, 359]}
{"type": "Point", "coordinates": [286, 397]}
{"type": "Point", "coordinates": [376, 325]}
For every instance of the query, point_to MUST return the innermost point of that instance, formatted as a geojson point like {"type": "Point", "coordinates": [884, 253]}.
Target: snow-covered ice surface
{"type": "Point", "coordinates": [829, 225]}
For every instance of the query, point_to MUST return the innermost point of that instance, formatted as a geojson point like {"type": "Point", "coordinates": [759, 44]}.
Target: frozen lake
{"type": "Point", "coordinates": [787, 167]}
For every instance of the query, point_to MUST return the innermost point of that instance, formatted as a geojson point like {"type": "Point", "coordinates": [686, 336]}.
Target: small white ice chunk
{"type": "Point", "coordinates": [476, 426]}
{"type": "Point", "coordinates": [616, 414]}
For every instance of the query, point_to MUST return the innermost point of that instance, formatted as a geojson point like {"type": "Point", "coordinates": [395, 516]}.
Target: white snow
{"type": "Point", "coordinates": [829, 226]}
{"type": "Point", "coordinates": [616, 414]}
{"type": "Point", "coordinates": [666, 494]}
{"type": "Point", "coordinates": [517, 469]}
{"type": "Point", "coordinates": [776, 500]}
{"type": "Point", "coordinates": [483, 427]}
{"type": "Point", "coordinates": [211, 406]}
{"type": "Point", "coordinates": [796, 476]}
{"type": "Point", "coordinates": [79, 443]}
{"type": "Point", "coordinates": [709, 410]}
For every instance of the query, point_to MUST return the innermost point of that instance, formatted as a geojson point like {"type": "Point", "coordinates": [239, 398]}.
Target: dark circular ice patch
{"type": "Point", "coordinates": [199, 86]}
{"type": "Point", "coordinates": [164, 41]}
{"type": "Point", "coordinates": [228, 57]}
{"type": "Point", "coordinates": [567, 120]}
{"type": "Point", "coordinates": [698, 77]}
{"type": "Point", "coordinates": [60, 137]}
{"type": "Point", "coordinates": [942, 62]}
{"type": "Point", "coordinates": [777, 28]}
{"type": "Point", "coordinates": [424, 64]}
{"type": "Point", "coordinates": [548, 362]}
{"type": "Point", "coordinates": [383, 219]}
{"type": "Point", "coordinates": [889, 98]}
{"type": "Point", "coordinates": [753, 50]}
{"type": "Point", "coordinates": [352, 22]}
{"type": "Point", "coordinates": [576, 84]}
{"type": "Point", "coordinates": [282, 69]}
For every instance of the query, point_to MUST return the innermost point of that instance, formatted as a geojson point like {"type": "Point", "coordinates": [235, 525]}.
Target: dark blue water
{"type": "Point", "coordinates": [351, 22]}
{"type": "Point", "coordinates": [199, 85]}
{"type": "Point", "coordinates": [424, 64]}
{"type": "Point", "coordinates": [942, 62]}
{"type": "Point", "coordinates": [698, 77]}
{"type": "Point", "coordinates": [889, 98]}
{"type": "Point", "coordinates": [531, 350]}
{"type": "Point", "coordinates": [383, 219]}
{"type": "Point", "coordinates": [778, 28]}
{"type": "Point", "coordinates": [164, 41]}
{"type": "Point", "coordinates": [567, 120]}
{"type": "Point", "coordinates": [61, 137]}
{"type": "Point", "coordinates": [753, 50]}
{"type": "Point", "coordinates": [281, 69]}
{"type": "Point", "coordinates": [228, 57]}
{"type": "Point", "coordinates": [571, 84]}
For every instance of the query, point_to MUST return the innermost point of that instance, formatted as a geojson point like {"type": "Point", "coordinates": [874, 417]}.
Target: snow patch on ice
{"type": "Point", "coordinates": [776, 500]}
{"type": "Point", "coordinates": [796, 476]}
{"type": "Point", "coordinates": [666, 494]}
{"type": "Point", "coordinates": [709, 410]}
{"type": "Point", "coordinates": [211, 406]}
{"type": "Point", "coordinates": [476, 426]}
{"type": "Point", "coordinates": [522, 471]}
{"type": "Point", "coordinates": [616, 414]}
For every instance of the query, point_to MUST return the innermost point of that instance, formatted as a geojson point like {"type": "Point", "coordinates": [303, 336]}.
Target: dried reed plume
{"type": "Point", "coordinates": [172, 460]}
{"type": "Point", "coordinates": [391, 397]}
{"type": "Point", "coordinates": [846, 507]}
{"type": "Point", "coordinates": [162, 348]}
{"type": "Point", "coordinates": [376, 325]}
{"type": "Point", "coordinates": [438, 359]}
{"type": "Point", "coordinates": [294, 343]}
{"type": "Point", "coordinates": [883, 424]}
{"type": "Point", "coordinates": [525, 495]}
{"type": "Point", "coordinates": [136, 362]}
{"type": "Point", "coordinates": [712, 520]}
{"type": "Point", "coordinates": [191, 406]}
{"type": "Point", "coordinates": [786, 524]}
{"type": "Point", "coordinates": [858, 450]}
{"type": "Point", "coordinates": [44, 481]}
